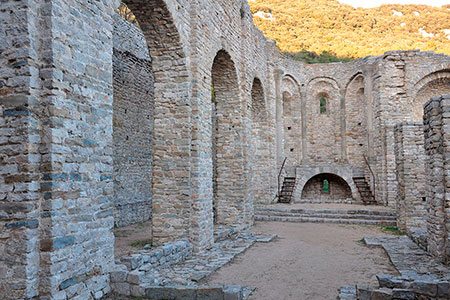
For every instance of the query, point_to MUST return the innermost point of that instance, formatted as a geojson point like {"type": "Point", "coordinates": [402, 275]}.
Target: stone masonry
{"type": "Point", "coordinates": [133, 104]}
{"type": "Point", "coordinates": [437, 132]}
{"type": "Point", "coordinates": [104, 123]}
{"type": "Point", "coordinates": [410, 169]}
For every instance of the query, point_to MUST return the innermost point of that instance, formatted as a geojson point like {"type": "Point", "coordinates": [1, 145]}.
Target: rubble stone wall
{"type": "Point", "coordinates": [437, 137]}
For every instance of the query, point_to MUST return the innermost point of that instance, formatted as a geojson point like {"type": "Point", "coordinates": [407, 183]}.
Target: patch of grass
{"type": "Point", "coordinates": [141, 243]}
{"type": "Point", "coordinates": [392, 230]}
{"type": "Point", "coordinates": [361, 241]}
{"type": "Point", "coordinates": [311, 57]}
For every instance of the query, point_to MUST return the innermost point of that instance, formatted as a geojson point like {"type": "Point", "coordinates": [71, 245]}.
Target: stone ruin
{"type": "Point", "coordinates": [184, 119]}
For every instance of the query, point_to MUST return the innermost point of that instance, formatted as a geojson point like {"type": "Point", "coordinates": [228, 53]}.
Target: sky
{"type": "Point", "coordinates": [375, 3]}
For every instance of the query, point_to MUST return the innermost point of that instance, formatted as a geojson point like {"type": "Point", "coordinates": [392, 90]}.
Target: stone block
{"type": "Point", "coordinates": [403, 294]}
{"type": "Point", "coordinates": [428, 288]}
{"type": "Point", "coordinates": [119, 276]}
{"type": "Point", "coordinates": [160, 293]}
{"type": "Point", "coordinates": [121, 288]}
{"type": "Point", "coordinates": [210, 292]}
{"type": "Point", "coordinates": [443, 289]}
{"type": "Point", "coordinates": [232, 292]}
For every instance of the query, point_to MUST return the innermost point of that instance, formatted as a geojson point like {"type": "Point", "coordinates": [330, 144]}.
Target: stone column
{"type": "Point", "coordinates": [279, 116]}
{"type": "Point", "coordinates": [437, 170]}
{"type": "Point", "coordinates": [303, 112]}
{"type": "Point", "coordinates": [343, 128]}
{"type": "Point", "coordinates": [368, 93]}
{"type": "Point", "coordinates": [410, 171]}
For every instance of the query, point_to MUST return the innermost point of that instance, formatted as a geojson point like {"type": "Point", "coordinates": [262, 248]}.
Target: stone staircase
{"type": "Point", "coordinates": [364, 190]}
{"type": "Point", "coordinates": [287, 190]}
{"type": "Point", "coordinates": [338, 216]}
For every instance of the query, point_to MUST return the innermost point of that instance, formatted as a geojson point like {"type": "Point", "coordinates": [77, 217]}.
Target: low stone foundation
{"type": "Point", "coordinates": [172, 271]}
{"type": "Point", "coordinates": [421, 276]}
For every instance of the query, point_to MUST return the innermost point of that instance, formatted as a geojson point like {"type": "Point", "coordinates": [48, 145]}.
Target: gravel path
{"type": "Point", "coordinates": [306, 262]}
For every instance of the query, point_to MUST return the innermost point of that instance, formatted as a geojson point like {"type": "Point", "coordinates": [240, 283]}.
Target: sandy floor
{"type": "Point", "coordinates": [328, 206]}
{"type": "Point", "coordinates": [137, 235]}
{"type": "Point", "coordinates": [306, 262]}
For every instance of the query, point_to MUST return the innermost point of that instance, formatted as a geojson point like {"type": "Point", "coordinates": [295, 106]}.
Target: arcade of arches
{"type": "Point", "coordinates": [183, 120]}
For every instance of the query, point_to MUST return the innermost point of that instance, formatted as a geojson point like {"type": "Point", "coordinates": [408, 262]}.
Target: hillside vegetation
{"type": "Point", "coordinates": [328, 25]}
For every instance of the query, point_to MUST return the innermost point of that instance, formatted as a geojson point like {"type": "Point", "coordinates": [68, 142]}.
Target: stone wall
{"type": "Point", "coordinates": [67, 164]}
{"type": "Point", "coordinates": [324, 141]}
{"type": "Point", "coordinates": [132, 124]}
{"type": "Point", "coordinates": [437, 137]}
{"type": "Point", "coordinates": [410, 170]}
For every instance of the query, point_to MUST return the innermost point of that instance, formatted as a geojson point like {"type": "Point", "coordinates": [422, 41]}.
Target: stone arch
{"type": "Point", "coordinates": [324, 142]}
{"type": "Point", "coordinates": [356, 125]}
{"type": "Point", "coordinates": [228, 162]}
{"type": "Point", "coordinates": [330, 80]}
{"type": "Point", "coordinates": [291, 120]}
{"type": "Point", "coordinates": [327, 187]}
{"type": "Point", "coordinates": [172, 127]}
{"type": "Point", "coordinates": [259, 144]}
{"type": "Point", "coordinates": [432, 85]}
{"type": "Point", "coordinates": [133, 112]}
{"type": "Point", "coordinates": [345, 173]}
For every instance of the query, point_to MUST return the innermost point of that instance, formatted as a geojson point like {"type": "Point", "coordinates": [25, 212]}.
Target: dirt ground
{"type": "Point", "coordinates": [306, 262]}
{"type": "Point", "coordinates": [132, 238]}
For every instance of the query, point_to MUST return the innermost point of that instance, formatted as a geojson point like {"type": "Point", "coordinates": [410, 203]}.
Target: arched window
{"type": "Point", "coordinates": [326, 186]}
{"type": "Point", "coordinates": [323, 105]}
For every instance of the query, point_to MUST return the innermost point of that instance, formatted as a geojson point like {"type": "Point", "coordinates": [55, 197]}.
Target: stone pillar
{"type": "Point", "coordinates": [56, 123]}
{"type": "Point", "coordinates": [390, 176]}
{"type": "Point", "coordinates": [410, 171]}
{"type": "Point", "coordinates": [437, 170]}
{"type": "Point", "coordinates": [20, 139]}
{"type": "Point", "coordinates": [279, 116]}
{"type": "Point", "coordinates": [343, 129]}
{"type": "Point", "coordinates": [303, 113]}
{"type": "Point", "coordinates": [368, 93]}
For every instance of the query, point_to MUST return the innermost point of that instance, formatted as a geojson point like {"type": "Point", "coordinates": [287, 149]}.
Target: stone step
{"type": "Point", "coordinates": [326, 211]}
{"type": "Point", "coordinates": [328, 216]}
{"type": "Point", "coordinates": [325, 220]}
{"type": "Point", "coordinates": [347, 293]}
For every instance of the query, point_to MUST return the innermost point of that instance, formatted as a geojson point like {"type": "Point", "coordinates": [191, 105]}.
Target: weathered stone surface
{"type": "Point", "coordinates": [102, 123]}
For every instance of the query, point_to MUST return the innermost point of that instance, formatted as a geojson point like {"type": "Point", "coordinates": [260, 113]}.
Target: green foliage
{"type": "Point", "coordinates": [346, 31]}
{"type": "Point", "coordinates": [323, 110]}
{"type": "Point", "coordinates": [311, 57]}
{"type": "Point", "coordinates": [140, 244]}
{"type": "Point", "coordinates": [393, 230]}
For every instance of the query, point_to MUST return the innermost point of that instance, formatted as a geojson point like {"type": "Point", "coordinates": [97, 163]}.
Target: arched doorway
{"type": "Point", "coordinates": [259, 143]}
{"type": "Point", "coordinates": [133, 116]}
{"type": "Point", "coordinates": [326, 188]}
{"type": "Point", "coordinates": [324, 119]}
{"type": "Point", "coordinates": [356, 125]}
{"type": "Point", "coordinates": [167, 107]}
{"type": "Point", "coordinates": [228, 161]}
